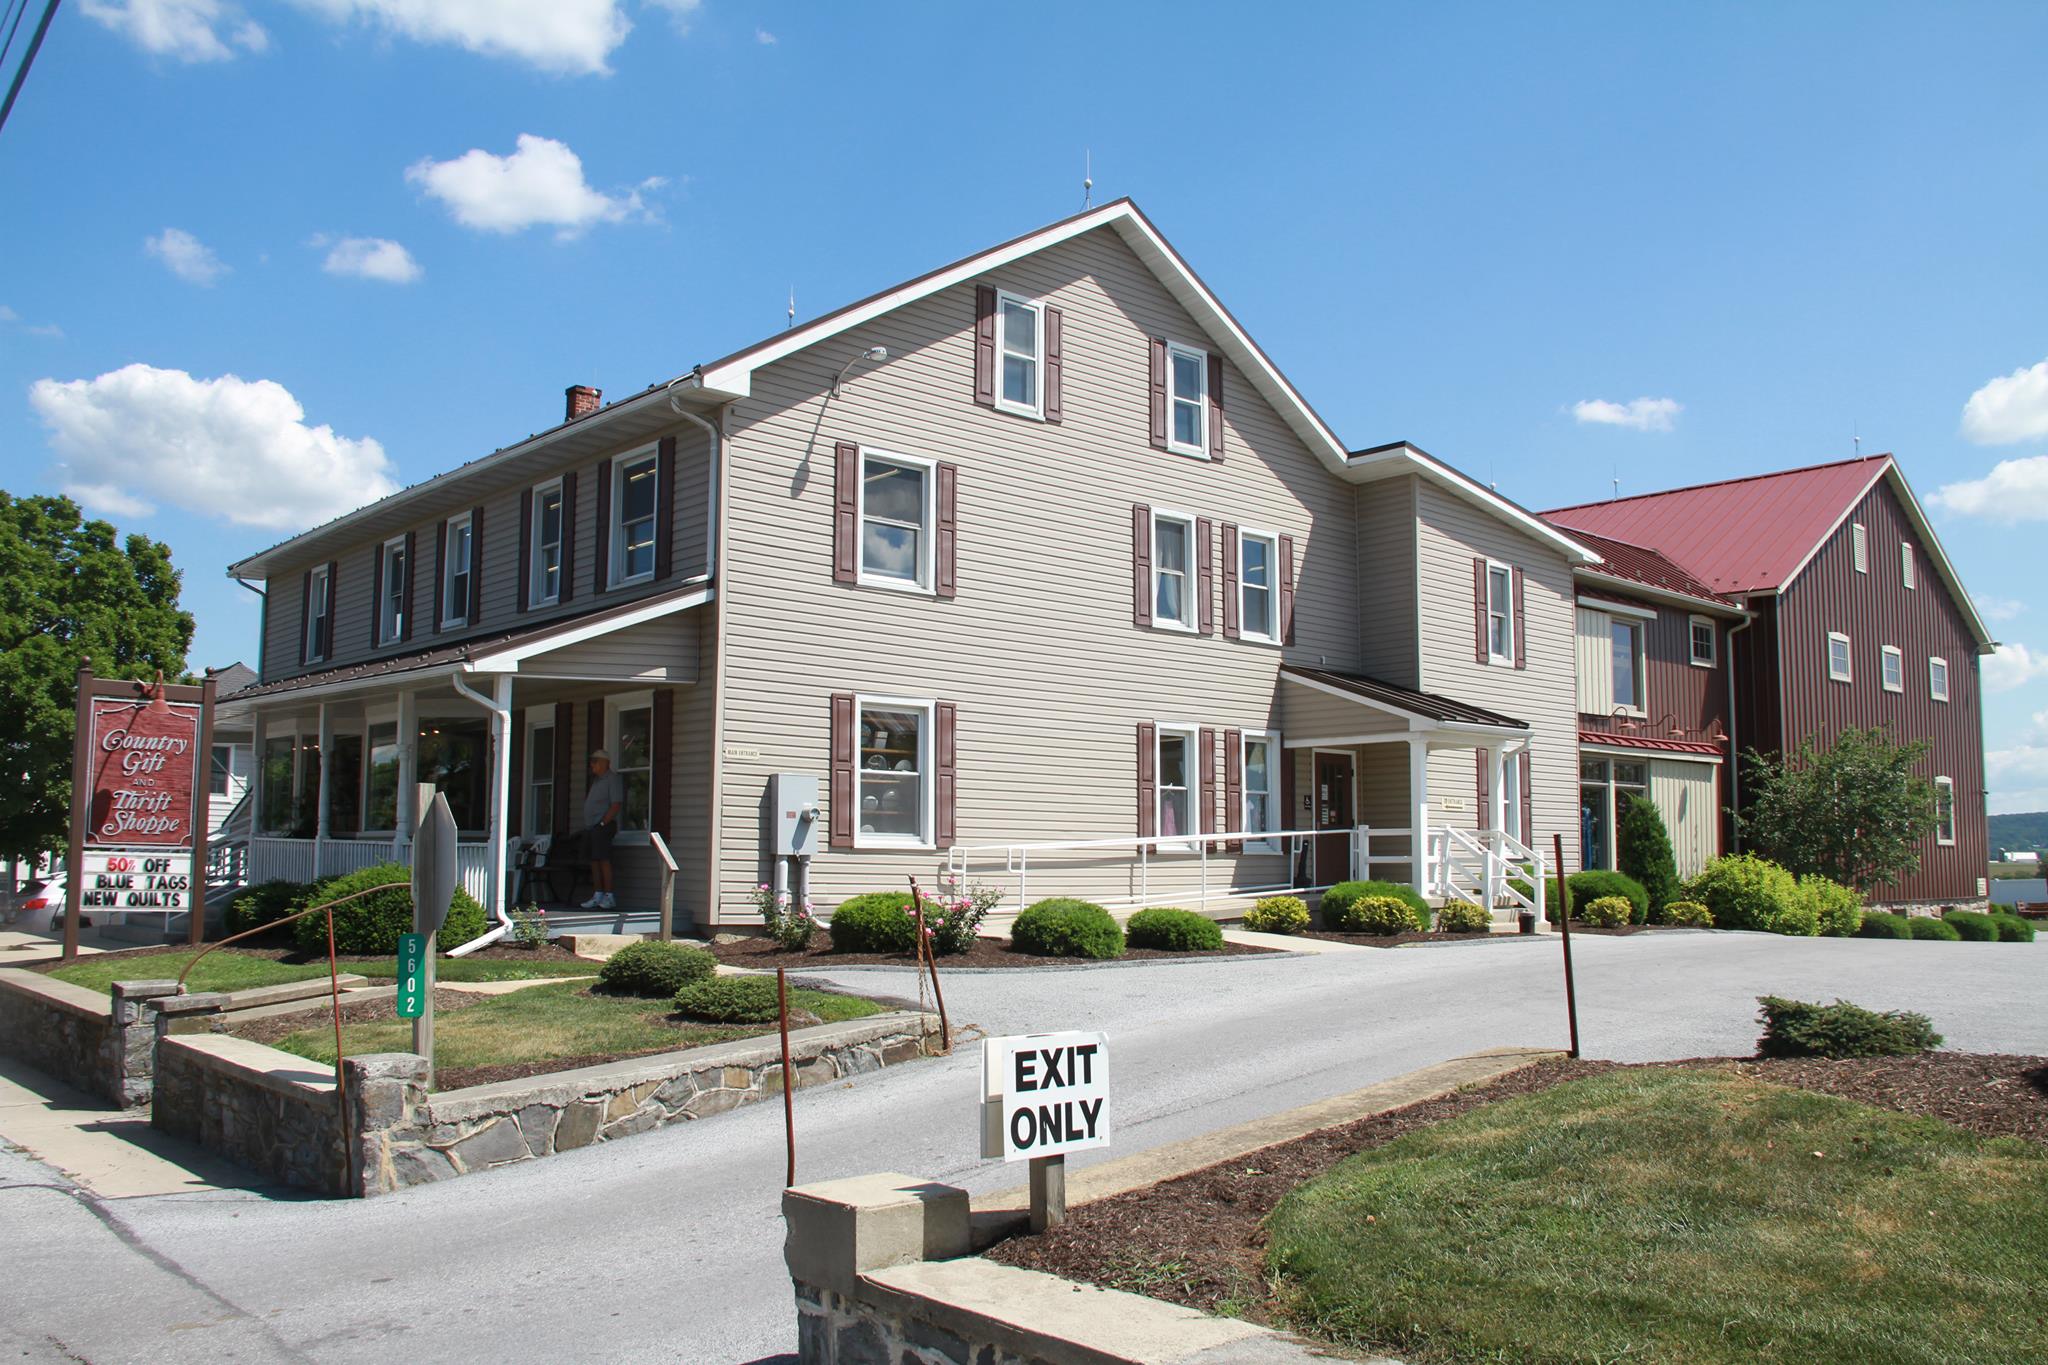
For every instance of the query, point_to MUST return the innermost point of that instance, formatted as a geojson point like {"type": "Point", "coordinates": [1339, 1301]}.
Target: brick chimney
{"type": "Point", "coordinates": [583, 401]}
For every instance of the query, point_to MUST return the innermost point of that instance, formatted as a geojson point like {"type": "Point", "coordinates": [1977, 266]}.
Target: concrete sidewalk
{"type": "Point", "coordinates": [112, 1152]}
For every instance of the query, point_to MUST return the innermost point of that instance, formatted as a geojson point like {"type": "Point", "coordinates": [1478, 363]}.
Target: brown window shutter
{"type": "Point", "coordinates": [327, 625]}
{"type": "Point", "coordinates": [476, 564]}
{"type": "Point", "coordinates": [1148, 779]}
{"type": "Point", "coordinates": [1141, 564]}
{"type": "Point", "coordinates": [1205, 575]}
{"type": "Point", "coordinates": [660, 780]}
{"type": "Point", "coordinates": [1158, 345]}
{"type": "Point", "coordinates": [985, 345]}
{"type": "Point", "coordinates": [665, 508]}
{"type": "Point", "coordinates": [1208, 770]}
{"type": "Point", "coordinates": [1528, 815]}
{"type": "Point", "coordinates": [308, 640]}
{"type": "Point", "coordinates": [565, 762]}
{"type": "Point", "coordinates": [1055, 366]}
{"type": "Point", "coordinates": [412, 585]}
{"type": "Point", "coordinates": [515, 804]}
{"type": "Point", "coordinates": [1485, 777]}
{"type": "Point", "coordinates": [1230, 581]}
{"type": "Point", "coordinates": [1233, 786]}
{"type": "Point", "coordinates": [601, 562]}
{"type": "Point", "coordinates": [1287, 590]}
{"type": "Point", "coordinates": [846, 512]}
{"type": "Point", "coordinates": [946, 768]}
{"type": "Point", "coordinates": [376, 595]}
{"type": "Point", "coordinates": [568, 578]}
{"type": "Point", "coordinates": [947, 552]}
{"type": "Point", "coordinates": [1215, 406]}
{"type": "Point", "coordinates": [440, 569]}
{"type": "Point", "coordinates": [840, 834]}
{"type": "Point", "coordinates": [593, 727]}
{"type": "Point", "coordinates": [1521, 617]}
{"type": "Point", "coordinates": [526, 549]}
{"type": "Point", "coordinates": [1478, 610]}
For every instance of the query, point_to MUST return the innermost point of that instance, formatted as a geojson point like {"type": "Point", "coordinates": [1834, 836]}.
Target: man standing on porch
{"type": "Point", "coordinates": [601, 807]}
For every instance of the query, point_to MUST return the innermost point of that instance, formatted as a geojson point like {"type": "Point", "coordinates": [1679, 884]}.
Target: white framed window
{"type": "Point", "coordinates": [1906, 565]}
{"type": "Point", "coordinates": [1258, 591]}
{"type": "Point", "coordinates": [1187, 400]}
{"type": "Point", "coordinates": [1944, 810]}
{"type": "Point", "coordinates": [1892, 664]}
{"type": "Point", "coordinates": [1838, 657]}
{"type": "Point", "coordinates": [1020, 350]}
{"type": "Point", "coordinates": [540, 771]}
{"type": "Point", "coordinates": [220, 772]}
{"type": "Point", "coordinates": [397, 597]}
{"type": "Point", "coordinates": [898, 505]}
{"type": "Point", "coordinates": [1937, 678]}
{"type": "Point", "coordinates": [1859, 547]}
{"type": "Point", "coordinates": [545, 568]}
{"type": "Point", "coordinates": [1500, 613]}
{"type": "Point", "coordinates": [1178, 791]}
{"type": "Point", "coordinates": [629, 723]}
{"type": "Point", "coordinates": [1625, 664]}
{"type": "Point", "coordinates": [319, 610]}
{"type": "Point", "coordinates": [892, 773]}
{"type": "Point", "coordinates": [458, 552]}
{"type": "Point", "coordinates": [634, 495]}
{"type": "Point", "coordinates": [1259, 761]}
{"type": "Point", "coordinates": [1173, 570]}
{"type": "Point", "coordinates": [1704, 638]}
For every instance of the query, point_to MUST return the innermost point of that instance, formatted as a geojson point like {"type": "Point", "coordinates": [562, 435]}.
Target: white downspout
{"type": "Point", "coordinates": [500, 708]}
{"type": "Point", "coordinates": [714, 553]}
{"type": "Point", "coordinates": [1735, 733]}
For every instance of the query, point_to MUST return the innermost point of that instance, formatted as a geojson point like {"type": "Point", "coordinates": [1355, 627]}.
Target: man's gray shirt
{"type": "Point", "coordinates": [605, 792]}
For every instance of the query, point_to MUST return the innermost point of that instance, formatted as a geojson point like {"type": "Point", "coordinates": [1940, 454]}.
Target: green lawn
{"type": "Point", "coordinates": [1689, 1216]}
{"type": "Point", "coordinates": [545, 1022]}
{"type": "Point", "coordinates": [480, 968]}
{"type": "Point", "coordinates": [226, 970]}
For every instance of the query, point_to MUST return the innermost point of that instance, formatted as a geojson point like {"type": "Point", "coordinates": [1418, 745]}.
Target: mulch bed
{"type": "Point", "coordinates": [252, 948]}
{"type": "Point", "coordinates": [1388, 940]}
{"type": "Point", "coordinates": [1199, 1239]}
{"type": "Point", "coordinates": [986, 952]}
{"type": "Point", "coordinates": [317, 1013]}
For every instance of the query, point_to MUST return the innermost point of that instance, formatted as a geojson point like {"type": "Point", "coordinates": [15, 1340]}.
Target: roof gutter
{"type": "Point", "coordinates": [1669, 595]}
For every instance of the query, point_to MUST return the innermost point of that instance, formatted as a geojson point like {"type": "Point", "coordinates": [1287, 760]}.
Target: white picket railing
{"type": "Point", "coordinates": [293, 860]}
{"type": "Point", "coordinates": [1483, 866]}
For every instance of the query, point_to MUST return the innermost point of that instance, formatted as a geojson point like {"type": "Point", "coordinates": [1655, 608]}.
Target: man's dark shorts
{"type": "Point", "coordinates": [597, 843]}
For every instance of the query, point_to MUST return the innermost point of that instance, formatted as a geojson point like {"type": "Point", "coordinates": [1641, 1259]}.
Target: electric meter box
{"type": "Point", "coordinates": [793, 810]}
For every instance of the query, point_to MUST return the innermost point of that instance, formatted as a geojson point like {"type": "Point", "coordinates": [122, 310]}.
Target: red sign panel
{"type": "Point", "coordinates": [140, 768]}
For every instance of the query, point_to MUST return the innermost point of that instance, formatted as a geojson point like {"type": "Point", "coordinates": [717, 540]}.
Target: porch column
{"type": "Point", "coordinates": [326, 742]}
{"type": "Point", "coordinates": [408, 745]}
{"type": "Point", "coordinates": [501, 792]}
{"type": "Point", "coordinates": [1496, 820]}
{"type": "Point", "coordinates": [1418, 812]}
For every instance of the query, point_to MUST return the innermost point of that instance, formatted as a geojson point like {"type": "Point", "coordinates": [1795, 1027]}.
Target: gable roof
{"type": "Point", "coordinates": [1637, 566]}
{"type": "Point", "coordinates": [1405, 702]}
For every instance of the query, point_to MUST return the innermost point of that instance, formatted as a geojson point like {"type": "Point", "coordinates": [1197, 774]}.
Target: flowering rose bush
{"type": "Point", "coordinates": [953, 915]}
{"type": "Point", "coordinates": [529, 926]}
{"type": "Point", "coordinates": [789, 924]}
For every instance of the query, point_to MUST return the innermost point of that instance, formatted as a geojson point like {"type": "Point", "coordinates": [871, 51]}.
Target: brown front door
{"type": "Point", "coordinates": [1334, 813]}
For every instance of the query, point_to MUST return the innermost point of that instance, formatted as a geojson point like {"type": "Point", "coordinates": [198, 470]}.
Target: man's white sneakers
{"type": "Point", "coordinates": [597, 901]}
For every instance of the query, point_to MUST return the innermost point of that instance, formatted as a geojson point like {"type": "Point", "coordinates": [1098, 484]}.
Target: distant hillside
{"type": "Point", "coordinates": [2023, 831]}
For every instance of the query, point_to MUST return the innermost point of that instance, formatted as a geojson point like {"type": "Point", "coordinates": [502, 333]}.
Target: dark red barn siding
{"type": "Point", "coordinates": [1694, 698]}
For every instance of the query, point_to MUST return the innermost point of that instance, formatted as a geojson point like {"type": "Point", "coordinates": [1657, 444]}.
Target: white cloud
{"type": "Point", "coordinates": [540, 184]}
{"type": "Point", "coordinates": [2013, 666]}
{"type": "Point", "coordinates": [680, 12]}
{"type": "Point", "coordinates": [2001, 609]}
{"type": "Point", "coordinates": [2012, 407]}
{"type": "Point", "coordinates": [8, 314]}
{"type": "Point", "coordinates": [567, 37]}
{"type": "Point", "coordinates": [186, 256]}
{"type": "Point", "coordinates": [370, 258]}
{"type": "Point", "coordinates": [764, 37]}
{"type": "Point", "coordinates": [1642, 414]}
{"type": "Point", "coordinates": [45, 329]}
{"type": "Point", "coordinates": [184, 30]}
{"type": "Point", "coordinates": [230, 448]}
{"type": "Point", "coordinates": [108, 500]}
{"type": "Point", "coordinates": [2014, 490]}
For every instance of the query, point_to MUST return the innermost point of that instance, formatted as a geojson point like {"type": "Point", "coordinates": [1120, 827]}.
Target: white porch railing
{"type": "Point", "coordinates": [1482, 866]}
{"type": "Point", "coordinates": [293, 860]}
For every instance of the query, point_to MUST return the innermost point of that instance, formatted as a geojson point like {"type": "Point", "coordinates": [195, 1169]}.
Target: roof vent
{"type": "Point", "coordinates": [583, 401]}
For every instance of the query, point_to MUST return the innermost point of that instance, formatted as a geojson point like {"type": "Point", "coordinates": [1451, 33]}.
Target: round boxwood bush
{"type": "Point", "coordinates": [1927, 927]}
{"type": "Point", "coordinates": [1607, 912]}
{"type": "Point", "coordinates": [1837, 909]}
{"type": "Point", "coordinates": [372, 924]}
{"type": "Point", "coordinates": [1374, 915]}
{"type": "Point", "coordinates": [1883, 924]}
{"type": "Point", "coordinates": [1062, 927]}
{"type": "Point", "coordinates": [655, 970]}
{"type": "Point", "coordinates": [1690, 914]}
{"type": "Point", "coordinates": [1972, 926]}
{"type": "Point", "coordinates": [2013, 929]}
{"type": "Point", "coordinates": [266, 903]}
{"type": "Point", "coordinates": [1277, 915]}
{"type": "Point", "coordinates": [1173, 930]}
{"type": "Point", "coordinates": [1463, 917]}
{"type": "Point", "coordinates": [879, 922]}
{"type": "Point", "coordinates": [1589, 886]}
{"type": "Point", "coordinates": [1748, 892]}
{"type": "Point", "coordinates": [730, 1000]}
{"type": "Point", "coordinates": [1340, 897]}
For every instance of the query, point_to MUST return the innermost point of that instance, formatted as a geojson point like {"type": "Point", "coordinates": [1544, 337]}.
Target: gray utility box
{"type": "Point", "coordinates": [793, 810]}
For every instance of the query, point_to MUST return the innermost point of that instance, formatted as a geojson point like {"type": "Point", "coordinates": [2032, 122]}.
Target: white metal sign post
{"type": "Point", "coordinates": [1044, 1095]}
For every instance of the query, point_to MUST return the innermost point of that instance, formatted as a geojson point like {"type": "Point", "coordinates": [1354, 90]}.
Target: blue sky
{"type": "Point", "coordinates": [403, 227]}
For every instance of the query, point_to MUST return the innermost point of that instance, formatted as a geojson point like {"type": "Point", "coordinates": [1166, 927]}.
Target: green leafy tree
{"type": "Point", "coordinates": [1855, 812]}
{"type": "Point", "coordinates": [69, 589]}
{"type": "Point", "coordinates": [1644, 849]}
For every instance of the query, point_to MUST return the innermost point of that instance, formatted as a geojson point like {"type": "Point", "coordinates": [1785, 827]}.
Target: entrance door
{"type": "Point", "coordinates": [1334, 812]}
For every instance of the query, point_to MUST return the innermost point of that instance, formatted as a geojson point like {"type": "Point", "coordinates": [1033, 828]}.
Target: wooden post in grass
{"type": "Point", "coordinates": [1564, 923]}
{"type": "Point", "coordinates": [788, 1078]}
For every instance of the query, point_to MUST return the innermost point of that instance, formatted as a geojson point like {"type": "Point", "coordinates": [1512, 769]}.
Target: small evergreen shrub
{"type": "Point", "coordinates": [266, 903]}
{"type": "Point", "coordinates": [1064, 927]}
{"type": "Point", "coordinates": [2013, 929]}
{"type": "Point", "coordinates": [1463, 917]}
{"type": "Point", "coordinates": [730, 1000]}
{"type": "Point", "coordinates": [1607, 912]}
{"type": "Point", "coordinates": [371, 925]}
{"type": "Point", "coordinates": [1974, 927]}
{"type": "Point", "coordinates": [1173, 931]}
{"type": "Point", "coordinates": [1344, 894]}
{"type": "Point", "coordinates": [1747, 892]}
{"type": "Point", "coordinates": [1643, 851]}
{"type": "Point", "coordinates": [1883, 924]}
{"type": "Point", "coordinates": [1690, 914]}
{"type": "Point", "coordinates": [878, 922]}
{"type": "Point", "coordinates": [1375, 915]}
{"type": "Point", "coordinates": [1277, 915]}
{"type": "Point", "coordinates": [655, 970]}
{"type": "Point", "coordinates": [1589, 886]}
{"type": "Point", "coordinates": [1930, 929]}
{"type": "Point", "coordinates": [1837, 909]}
{"type": "Point", "coordinates": [1795, 1028]}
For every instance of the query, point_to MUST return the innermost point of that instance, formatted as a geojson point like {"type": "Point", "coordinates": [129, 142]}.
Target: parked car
{"type": "Point", "coordinates": [39, 905]}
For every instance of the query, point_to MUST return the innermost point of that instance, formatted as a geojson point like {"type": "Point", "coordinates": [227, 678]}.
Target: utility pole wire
{"type": "Point", "coordinates": [20, 12]}
{"type": "Point", "coordinates": [28, 59]}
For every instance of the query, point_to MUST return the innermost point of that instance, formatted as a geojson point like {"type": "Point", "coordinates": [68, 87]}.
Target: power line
{"type": "Point", "coordinates": [19, 8]}
{"type": "Point", "coordinates": [28, 59]}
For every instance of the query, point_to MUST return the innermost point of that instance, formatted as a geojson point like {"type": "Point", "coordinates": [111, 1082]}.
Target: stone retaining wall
{"type": "Point", "coordinates": [100, 1044]}
{"type": "Point", "coordinates": [254, 1105]}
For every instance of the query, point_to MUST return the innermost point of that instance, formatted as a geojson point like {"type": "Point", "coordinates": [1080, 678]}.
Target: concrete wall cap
{"type": "Point", "coordinates": [143, 990]}
{"type": "Point", "coordinates": [294, 1077]}
{"type": "Point", "coordinates": [59, 994]}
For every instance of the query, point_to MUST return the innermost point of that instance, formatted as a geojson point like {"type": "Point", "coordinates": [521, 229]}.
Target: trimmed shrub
{"type": "Point", "coordinates": [655, 970]}
{"type": "Point", "coordinates": [1747, 892]}
{"type": "Point", "coordinates": [372, 925]}
{"type": "Point", "coordinates": [1972, 926]}
{"type": "Point", "coordinates": [1883, 924]}
{"type": "Point", "coordinates": [1928, 928]}
{"type": "Point", "coordinates": [1837, 909]}
{"type": "Point", "coordinates": [1463, 917]}
{"type": "Point", "coordinates": [1174, 931]}
{"type": "Point", "coordinates": [1375, 915]}
{"type": "Point", "coordinates": [730, 1000]}
{"type": "Point", "coordinates": [2013, 929]}
{"type": "Point", "coordinates": [1344, 894]}
{"type": "Point", "coordinates": [1795, 1028]}
{"type": "Point", "coordinates": [1064, 927]}
{"type": "Point", "coordinates": [1589, 886]}
{"type": "Point", "coordinates": [1643, 851]}
{"type": "Point", "coordinates": [878, 922]}
{"type": "Point", "coordinates": [1690, 914]}
{"type": "Point", "coordinates": [1607, 912]}
{"type": "Point", "coordinates": [267, 903]}
{"type": "Point", "coordinates": [1277, 915]}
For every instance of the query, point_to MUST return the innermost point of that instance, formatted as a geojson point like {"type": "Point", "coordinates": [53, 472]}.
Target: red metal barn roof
{"type": "Point", "coordinates": [1635, 564]}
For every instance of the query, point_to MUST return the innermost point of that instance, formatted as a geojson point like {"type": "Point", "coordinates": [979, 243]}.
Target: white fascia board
{"type": "Point", "coordinates": [1618, 608]}
{"type": "Point", "coordinates": [1392, 461]}
{"type": "Point", "coordinates": [508, 660]}
{"type": "Point", "coordinates": [1605, 582]}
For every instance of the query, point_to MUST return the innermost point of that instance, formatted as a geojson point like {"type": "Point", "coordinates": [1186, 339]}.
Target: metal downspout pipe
{"type": "Point", "coordinates": [1735, 733]}
{"type": "Point", "coordinates": [500, 708]}
{"type": "Point", "coordinates": [714, 555]}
